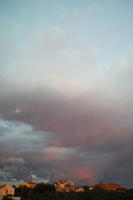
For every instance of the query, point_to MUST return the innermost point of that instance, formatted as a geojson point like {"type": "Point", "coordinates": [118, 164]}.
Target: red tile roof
{"type": "Point", "coordinates": [62, 181]}
{"type": "Point", "coordinates": [27, 184]}
{"type": "Point", "coordinates": [108, 186]}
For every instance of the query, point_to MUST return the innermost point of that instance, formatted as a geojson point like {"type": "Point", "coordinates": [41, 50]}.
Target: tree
{"type": "Point", "coordinates": [41, 190]}
{"type": "Point", "coordinates": [86, 188]}
{"type": "Point", "coordinates": [22, 192]}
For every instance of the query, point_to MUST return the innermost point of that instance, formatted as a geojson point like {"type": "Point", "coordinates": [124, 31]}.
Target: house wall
{"type": "Point", "coordinates": [79, 190]}
{"type": "Point", "coordinates": [67, 186]}
{"type": "Point", "coordinates": [7, 190]}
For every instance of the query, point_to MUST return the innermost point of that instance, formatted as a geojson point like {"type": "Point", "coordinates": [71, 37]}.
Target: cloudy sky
{"type": "Point", "coordinates": [66, 70]}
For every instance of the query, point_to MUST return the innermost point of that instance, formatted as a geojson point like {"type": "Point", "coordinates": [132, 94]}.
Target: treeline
{"type": "Point", "coordinates": [47, 192]}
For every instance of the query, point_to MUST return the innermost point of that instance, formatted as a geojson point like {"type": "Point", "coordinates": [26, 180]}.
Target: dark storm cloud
{"type": "Point", "coordinates": [48, 133]}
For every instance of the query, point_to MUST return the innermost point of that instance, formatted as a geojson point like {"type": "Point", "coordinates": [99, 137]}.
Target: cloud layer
{"type": "Point", "coordinates": [56, 135]}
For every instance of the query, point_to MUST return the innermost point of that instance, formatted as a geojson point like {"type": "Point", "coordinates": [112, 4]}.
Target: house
{"type": "Point", "coordinates": [64, 186]}
{"type": "Point", "coordinates": [7, 190]}
{"type": "Point", "coordinates": [27, 184]}
{"type": "Point", "coordinates": [79, 189]}
{"type": "Point", "coordinates": [108, 186]}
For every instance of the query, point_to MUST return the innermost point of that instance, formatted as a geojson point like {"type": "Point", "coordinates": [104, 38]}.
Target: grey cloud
{"type": "Point", "coordinates": [96, 124]}
{"type": "Point", "coordinates": [50, 124]}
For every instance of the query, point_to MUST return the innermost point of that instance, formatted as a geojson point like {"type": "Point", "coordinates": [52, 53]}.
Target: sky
{"type": "Point", "coordinates": [66, 89]}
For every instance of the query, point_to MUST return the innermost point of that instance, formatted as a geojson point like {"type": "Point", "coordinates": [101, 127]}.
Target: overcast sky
{"type": "Point", "coordinates": [66, 70]}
